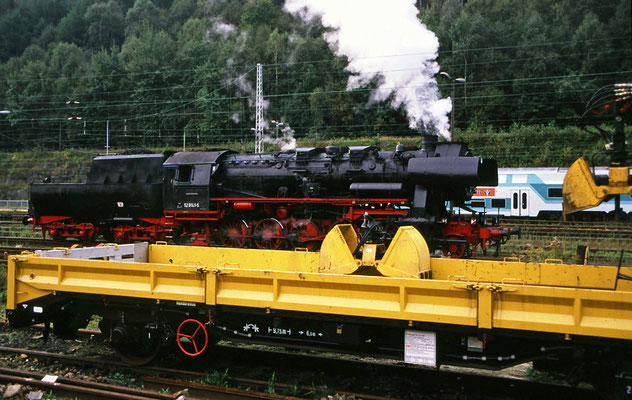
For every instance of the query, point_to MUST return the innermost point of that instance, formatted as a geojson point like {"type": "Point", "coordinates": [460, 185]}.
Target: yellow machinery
{"type": "Point", "coordinates": [580, 191]}
{"type": "Point", "coordinates": [484, 313]}
{"type": "Point", "coordinates": [550, 296]}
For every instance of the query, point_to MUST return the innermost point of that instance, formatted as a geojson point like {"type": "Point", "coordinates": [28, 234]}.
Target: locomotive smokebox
{"type": "Point", "coordinates": [450, 171]}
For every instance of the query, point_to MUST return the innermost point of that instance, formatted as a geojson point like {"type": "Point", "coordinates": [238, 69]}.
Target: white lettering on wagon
{"type": "Point", "coordinates": [185, 303]}
{"type": "Point", "coordinates": [251, 327]}
{"type": "Point", "coordinates": [280, 331]}
{"type": "Point", "coordinates": [309, 333]}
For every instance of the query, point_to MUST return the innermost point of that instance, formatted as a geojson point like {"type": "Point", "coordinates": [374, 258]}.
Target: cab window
{"type": "Point", "coordinates": [185, 174]}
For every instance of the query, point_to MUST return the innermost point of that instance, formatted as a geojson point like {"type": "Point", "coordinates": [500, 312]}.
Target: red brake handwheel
{"type": "Point", "coordinates": [195, 326]}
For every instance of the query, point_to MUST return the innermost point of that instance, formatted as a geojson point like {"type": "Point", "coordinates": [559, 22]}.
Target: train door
{"type": "Point", "coordinates": [520, 203]}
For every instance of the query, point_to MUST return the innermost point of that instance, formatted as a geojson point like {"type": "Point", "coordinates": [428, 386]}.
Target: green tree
{"type": "Point", "coordinates": [71, 28]}
{"type": "Point", "coordinates": [261, 12]}
{"type": "Point", "coordinates": [179, 12]}
{"type": "Point", "coordinates": [144, 13]}
{"type": "Point", "coordinates": [153, 81]}
{"type": "Point", "coordinates": [106, 24]}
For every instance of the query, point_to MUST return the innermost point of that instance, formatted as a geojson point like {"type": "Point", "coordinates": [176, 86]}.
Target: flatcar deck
{"type": "Point", "coordinates": [543, 297]}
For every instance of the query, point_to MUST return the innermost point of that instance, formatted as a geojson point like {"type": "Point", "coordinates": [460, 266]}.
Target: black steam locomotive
{"type": "Point", "coordinates": [267, 200]}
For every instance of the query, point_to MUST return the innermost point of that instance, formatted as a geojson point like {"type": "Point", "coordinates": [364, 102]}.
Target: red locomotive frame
{"type": "Point", "coordinates": [267, 223]}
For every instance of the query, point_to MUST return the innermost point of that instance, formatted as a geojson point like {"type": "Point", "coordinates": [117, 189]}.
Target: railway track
{"type": "Point", "coordinates": [32, 242]}
{"type": "Point", "coordinates": [380, 379]}
{"type": "Point", "coordinates": [254, 388]}
{"type": "Point", "coordinates": [537, 227]}
{"type": "Point", "coordinates": [154, 388]}
{"type": "Point", "coordinates": [570, 229]}
{"type": "Point", "coordinates": [13, 215]}
{"type": "Point", "coordinates": [76, 388]}
{"type": "Point", "coordinates": [532, 227]}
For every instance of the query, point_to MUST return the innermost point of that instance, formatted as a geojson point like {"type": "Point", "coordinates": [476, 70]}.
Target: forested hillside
{"type": "Point", "coordinates": [162, 72]}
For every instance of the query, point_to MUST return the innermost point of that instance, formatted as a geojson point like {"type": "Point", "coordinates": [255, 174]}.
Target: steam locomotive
{"type": "Point", "coordinates": [271, 200]}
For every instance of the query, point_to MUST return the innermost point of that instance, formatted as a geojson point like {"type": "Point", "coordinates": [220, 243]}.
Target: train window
{"type": "Point", "coordinates": [555, 192]}
{"type": "Point", "coordinates": [514, 204]}
{"type": "Point", "coordinates": [499, 203]}
{"type": "Point", "coordinates": [524, 200]}
{"type": "Point", "coordinates": [185, 174]}
{"type": "Point", "coordinates": [477, 203]}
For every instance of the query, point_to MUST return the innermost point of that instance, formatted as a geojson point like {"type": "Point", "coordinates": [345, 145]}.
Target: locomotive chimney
{"type": "Point", "coordinates": [428, 142]}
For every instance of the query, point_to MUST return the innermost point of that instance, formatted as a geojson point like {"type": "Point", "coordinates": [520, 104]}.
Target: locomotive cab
{"type": "Point", "coordinates": [187, 180]}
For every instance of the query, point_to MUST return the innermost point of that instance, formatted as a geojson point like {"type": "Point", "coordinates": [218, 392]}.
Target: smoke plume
{"type": "Point", "coordinates": [284, 142]}
{"type": "Point", "coordinates": [386, 38]}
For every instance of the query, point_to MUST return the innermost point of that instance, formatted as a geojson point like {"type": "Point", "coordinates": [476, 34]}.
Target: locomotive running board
{"type": "Point", "coordinates": [581, 192]}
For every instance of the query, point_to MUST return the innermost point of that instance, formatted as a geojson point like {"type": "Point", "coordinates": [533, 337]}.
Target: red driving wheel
{"type": "Point", "coordinates": [268, 234]}
{"type": "Point", "coordinates": [454, 250]}
{"type": "Point", "coordinates": [234, 233]}
{"type": "Point", "coordinates": [309, 234]}
{"type": "Point", "coordinates": [193, 326]}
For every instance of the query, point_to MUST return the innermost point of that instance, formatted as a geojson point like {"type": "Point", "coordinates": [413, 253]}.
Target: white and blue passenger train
{"type": "Point", "coordinates": [535, 192]}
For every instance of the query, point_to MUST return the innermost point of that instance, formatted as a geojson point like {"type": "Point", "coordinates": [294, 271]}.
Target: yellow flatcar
{"type": "Point", "coordinates": [397, 302]}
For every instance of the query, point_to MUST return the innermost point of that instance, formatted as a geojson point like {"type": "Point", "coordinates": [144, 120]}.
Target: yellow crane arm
{"type": "Point", "coordinates": [581, 192]}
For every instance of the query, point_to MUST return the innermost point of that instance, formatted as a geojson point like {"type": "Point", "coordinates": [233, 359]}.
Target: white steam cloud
{"type": "Point", "coordinates": [222, 28]}
{"type": "Point", "coordinates": [386, 38]}
{"type": "Point", "coordinates": [285, 141]}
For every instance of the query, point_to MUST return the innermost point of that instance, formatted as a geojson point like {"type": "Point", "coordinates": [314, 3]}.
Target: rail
{"type": "Point", "coordinates": [433, 381]}
{"type": "Point", "coordinates": [76, 388]}
{"type": "Point", "coordinates": [570, 229]}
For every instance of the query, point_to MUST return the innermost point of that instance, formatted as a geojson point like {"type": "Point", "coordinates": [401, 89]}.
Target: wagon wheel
{"type": "Point", "coordinates": [87, 232]}
{"type": "Point", "coordinates": [234, 233]}
{"type": "Point", "coordinates": [139, 355]}
{"type": "Point", "coordinates": [54, 231]}
{"type": "Point", "coordinates": [454, 250]}
{"type": "Point", "coordinates": [120, 233]}
{"type": "Point", "coordinates": [56, 236]}
{"type": "Point", "coordinates": [192, 337]}
{"type": "Point", "coordinates": [141, 348]}
{"type": "Point", "coordinates": [268, 234]}
{"type": "Point", "coordinates": [309, 234]}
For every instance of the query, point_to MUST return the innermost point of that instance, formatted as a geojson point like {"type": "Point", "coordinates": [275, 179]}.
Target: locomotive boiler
{"type": "Point", "coordinates": [268, 200]}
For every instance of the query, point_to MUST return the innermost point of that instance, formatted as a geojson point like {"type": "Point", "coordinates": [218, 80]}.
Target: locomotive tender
{"type": "Point", "coordinates": [267, 200]}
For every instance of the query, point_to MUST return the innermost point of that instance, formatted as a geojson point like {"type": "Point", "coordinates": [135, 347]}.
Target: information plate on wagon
{"type": "Point", "coordinates": [420, 348]}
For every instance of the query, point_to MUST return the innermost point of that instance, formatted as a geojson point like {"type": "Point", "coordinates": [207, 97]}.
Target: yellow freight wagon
{"type": "Point", "coordinates": [396, 302]}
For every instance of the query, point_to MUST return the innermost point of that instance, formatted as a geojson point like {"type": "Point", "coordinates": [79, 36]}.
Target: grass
{"type": "Point", "coordinates": [272, 384]}
{"type": "Point", "coordinates": [124, 379]}
{"type": "Point", "coordinates": [19, 230]}
{"type": "Point", "coordinates": [542, 377]}
{"type": "Point", "coordinates": [216, 378]}
{"type": "Point", "coordinates": [606, 251]}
